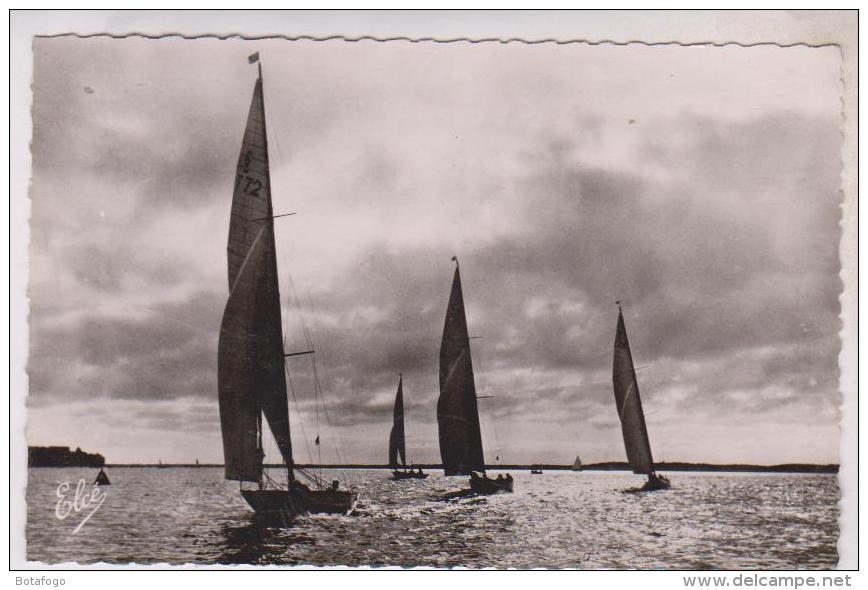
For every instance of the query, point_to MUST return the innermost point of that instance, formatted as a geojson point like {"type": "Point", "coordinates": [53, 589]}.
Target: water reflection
{"type": "Point", "coordinates": [556, 520]}
{"type": "Point", "coordinates": [258, 543]}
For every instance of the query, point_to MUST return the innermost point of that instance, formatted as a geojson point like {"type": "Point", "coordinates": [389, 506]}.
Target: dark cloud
{"type": "Point", "coordinates": [697, 287]}
{"type": "Point", "coordinates": [137, 137]}
{"type": "Point", "coordinates": [718, 233]}
{"type": "Point", "coordinates": [162, 352]}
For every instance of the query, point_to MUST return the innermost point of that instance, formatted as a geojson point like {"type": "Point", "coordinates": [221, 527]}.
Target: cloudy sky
{"type": "Point", "coordinates": [698, 185]}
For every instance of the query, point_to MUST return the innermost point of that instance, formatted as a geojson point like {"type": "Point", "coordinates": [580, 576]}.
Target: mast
{"type": "Point", "coordinates": [281, 400]}
{"type": "Point", "coordinates": [457, 411]}
{"type": "Point", "coordinates": [629, 404]}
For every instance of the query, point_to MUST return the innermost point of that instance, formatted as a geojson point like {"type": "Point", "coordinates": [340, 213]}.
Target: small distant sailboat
{"type": "Point", "coordinates": [397, 441]}
{"type": "Point", "coordinates": [251, 360]}
{"type": "Point", "coordinates": [629, 407]}
{"type": "Point", "coordinates": [160, 464]}
{"type": "Point", "coordinates": [457, 410]}
{"type": "Point", "coordinates": [577, 464]}
{"type": "Point", "coordinates": [102, 479]}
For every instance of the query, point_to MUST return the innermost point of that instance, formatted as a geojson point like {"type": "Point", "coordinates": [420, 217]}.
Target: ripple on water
{"type": "Point", "coordinates": [558, 520]}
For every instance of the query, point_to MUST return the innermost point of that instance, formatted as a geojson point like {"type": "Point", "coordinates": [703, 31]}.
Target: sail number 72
{"type": "Point", "coordinates": [248, 185]}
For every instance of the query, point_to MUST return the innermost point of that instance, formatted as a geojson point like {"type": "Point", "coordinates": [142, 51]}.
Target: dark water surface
{"type": "Point", "coordinates": [554, 520]}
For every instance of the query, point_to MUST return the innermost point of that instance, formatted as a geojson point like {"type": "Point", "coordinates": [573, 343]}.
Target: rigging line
{"type": "Point", "coordinates": [494, 425]}
{"type": "Point", "coordinates": [337, 436]}
{"type": "Point", "coordinates": [283, 264]}
{"type": "Point", "coordinates": [316, 405]}
{"type": "Point", "coordinates": [298, 412]}
{"type": "Point", "coordinates": [649, 377]}
{"type": "Point", "coordinates": [337, 441]}
{"type": "Point", "coordinates": [269, 479]}
{"type": "Point", "coordinates": [298, 305]}
{"type": "Point", "coordinates": [319, 392]}
{"type": "Point", "coordinates": [304, 321]}
{"type": "Point", "coordinates": [308, 340]}
{"type": "Point", "coordinates": [484, 380]}
{"type": "Point", "coordinates": [288, 373]}
{"type": "Point", "coordinates": [334, 438]}
{"type": "Point", "coordinates": [294, 302]}
{"type": "Point", "coordinates": [311, 477]}
{"type": "Point", "coordinates": [308, 335]}
{"type": "Point", "coordinates": [269, 447]}
{"type": "Point", "coordinates": [273, 141]}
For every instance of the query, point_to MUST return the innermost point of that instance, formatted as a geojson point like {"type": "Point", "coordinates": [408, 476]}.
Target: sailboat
{"type": "Point", "coordinates": [577, 464]}
{"type": "Point", "coordinates": [251, 372]}
{"type": "Point", "coordinates": [629, 407]}
{"type": "Point", "coordinates": [397, 440]}
{"type": "Point", "coordinates": [457, 410]}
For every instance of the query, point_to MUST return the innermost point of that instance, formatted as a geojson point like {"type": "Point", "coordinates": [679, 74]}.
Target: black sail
{"type": "Point", "coordinates": [397, 444]}
{"type": "Point", "coordinates": [251, 379]}
{"type": "Point", "coordinates": [457, 412]}
{"type": "Point", "coordinates": [629, 404]}
{"type": "Point", "coordinates": [239, 363]}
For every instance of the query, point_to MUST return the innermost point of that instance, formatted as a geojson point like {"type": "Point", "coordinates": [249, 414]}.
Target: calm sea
{"type": "Point", "coordinates": [554, 520]}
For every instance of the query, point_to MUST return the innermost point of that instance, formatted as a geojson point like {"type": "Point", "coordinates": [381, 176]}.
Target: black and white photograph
{"type": "Point", "coordinates": [403, 303]}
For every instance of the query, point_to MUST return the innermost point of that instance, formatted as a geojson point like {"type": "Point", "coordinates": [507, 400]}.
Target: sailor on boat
{"type": "Point", "coordinates": [486, 485]}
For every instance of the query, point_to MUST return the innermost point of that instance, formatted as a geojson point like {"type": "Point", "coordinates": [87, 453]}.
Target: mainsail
{"type": "Point", "coordinates": [457, 412]}
{"type": "Point", "coordinates": [397, 445]}
{"type": "Point", "coordinates": [629, 405]}
{"type": "Point", "coordinates": [251, 379]}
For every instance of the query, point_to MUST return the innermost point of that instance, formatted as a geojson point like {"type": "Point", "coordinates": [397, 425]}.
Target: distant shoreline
{"type": "Point", "coordinates": [608, 466]}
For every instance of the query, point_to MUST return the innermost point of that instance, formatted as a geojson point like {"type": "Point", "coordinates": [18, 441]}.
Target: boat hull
{"type": "Point", "coordinates": [655, 483]}
{"type": "Point", "coordinates": [328, 501]}
{"type": "Point", "coordinates": [283, 506]}
{"type": "Point", "coordinates": [487, 486]}
{"type": "Point", "coordinates": [396, 475]}
{"type": "Point", "coordinates": [275, 506]}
